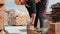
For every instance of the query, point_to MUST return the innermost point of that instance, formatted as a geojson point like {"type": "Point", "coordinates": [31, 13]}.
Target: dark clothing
{"type": "Point", "coordinates": [32, 9]}
{"type": "Point", "coordinates": [44, 1]}
{"type": "Point", "coordinates": [38, 9]}
{"type": "Point", "coordinates": [39, 15]}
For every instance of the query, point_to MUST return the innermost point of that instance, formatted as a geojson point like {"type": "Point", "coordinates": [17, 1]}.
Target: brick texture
{"type": "Point", "coordinates": [54, 28]}
{"type": "Point", "coordinates": [2, 11]}
{"type": "Point", "coordinates": [17, 19]}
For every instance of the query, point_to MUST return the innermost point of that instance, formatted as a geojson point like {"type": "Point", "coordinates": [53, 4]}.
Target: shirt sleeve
{"type": "Point", "coordinates": [33, 5]}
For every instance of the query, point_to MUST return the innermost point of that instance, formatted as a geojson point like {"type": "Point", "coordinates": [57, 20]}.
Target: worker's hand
{"type": "Point", "coordinates": [37, 1]}
{"type": "Point", "coordinates": [23, 2]}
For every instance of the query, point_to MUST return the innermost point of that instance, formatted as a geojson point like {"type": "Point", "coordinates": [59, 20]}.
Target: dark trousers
{"type": "Point", "coordinates": [31, 9]}
{"type": "Point", "coordinates": [39, 15]}
{"type": "Point", "coordinates": [38, 9]}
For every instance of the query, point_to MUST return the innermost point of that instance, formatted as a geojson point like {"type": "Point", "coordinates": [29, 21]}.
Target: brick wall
{"type": "Point", "coordinates": [1, 15]}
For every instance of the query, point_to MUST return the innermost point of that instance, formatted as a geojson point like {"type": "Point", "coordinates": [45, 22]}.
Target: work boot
{"type": "Point", "coordinates": [39, 30]}
{"type": "Point", "coordinates": [44, 30]}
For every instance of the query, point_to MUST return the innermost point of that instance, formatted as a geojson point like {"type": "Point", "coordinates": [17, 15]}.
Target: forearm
{"type": "Point", "coordinates": [33, 7]}
{"type": "Point", "coordinates": [33, 18]}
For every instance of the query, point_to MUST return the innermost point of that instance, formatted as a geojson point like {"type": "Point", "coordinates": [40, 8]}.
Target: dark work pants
{"type": "Point", "coordinates": [39, 15]}
{"type": "Point", "coordinates": [31, 9]}
{"type": "Point", "coordinates": [38, 9]}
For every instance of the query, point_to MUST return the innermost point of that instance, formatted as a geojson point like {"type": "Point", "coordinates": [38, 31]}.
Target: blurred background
{"type": "Point", "coordinates": [10, 5]}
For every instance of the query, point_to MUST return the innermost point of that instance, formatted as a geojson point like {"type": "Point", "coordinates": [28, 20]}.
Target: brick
{"type": "Point", "coordinates": [54, 28]}
{"type": "Point", "coordinates": [30, 27]}
{"type": "Point", "coordinates": [2, 12]}
{"type": "Point", "coordinates": [55, 13]}
{"type": "Point", "coordinates": [2, 1]}
{"type": "Point", "coordinates": [52, 25]}
{"type": "Point", "coordinates": [18, 18]}
{"type": "Point", "coordinates": [1, 32]}
{"type": "Point", "coordinates": [31, 32]}
{"type": "Point", "coordinates": [51, 32]}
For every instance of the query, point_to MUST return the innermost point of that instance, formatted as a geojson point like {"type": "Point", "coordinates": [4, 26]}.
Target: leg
{"type": "Point", "coordinates": [40, 13]}
{"type": "Point", "coordinates": [41, 18]}
{"type": "Point", "coordinates": [33, 18]}
{"type": "Point", "coordinates": [36, 21]}
{"type": "Point", "coordinates": [33, 12]}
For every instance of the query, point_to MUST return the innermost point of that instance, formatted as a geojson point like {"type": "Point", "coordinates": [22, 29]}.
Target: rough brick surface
{"type": "Point", "coordinates": [54, 28]}
{"type": "Point", "coordinates": [2, 11]}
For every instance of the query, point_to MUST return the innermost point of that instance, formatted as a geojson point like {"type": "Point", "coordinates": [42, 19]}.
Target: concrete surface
{"type": "Point", "coordinates": [15, 29]}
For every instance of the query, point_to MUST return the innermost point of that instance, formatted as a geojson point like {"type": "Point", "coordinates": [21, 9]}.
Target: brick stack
{"type": "Point", "coordinates": [55, 14]}
{"type": "Point", "coordinates": [54, 28]}
{"type": "Point", "coordinates": [18, 17]}
{"type": "Point", "coordinates": [2, 11]}
{"type": "Point", "coordinates": [55, 23]}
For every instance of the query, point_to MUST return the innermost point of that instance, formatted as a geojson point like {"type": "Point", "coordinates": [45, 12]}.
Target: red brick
{"type": "Point", "coordinates": [52, 25]}
{"type": "Point", "coordinates": [2, 12]}
{"type": "Point", "coordinates": [2, 1]}
{"type": "Point", "coordinates": [54, 28]}
{"type": "Point", "coordinates": [31, 32]}
{"type": "Point", "coordinates": [51, 32]}
{"type": "Point", "coordinates": [19, 19]}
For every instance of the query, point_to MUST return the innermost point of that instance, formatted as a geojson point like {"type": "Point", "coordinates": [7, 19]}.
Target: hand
{"type": "Point", "coordinates": [37, 1]}
{"type": "Point", "coordinates": [23, 2]}
{"type": "Point", "coordinates": [27, 5]}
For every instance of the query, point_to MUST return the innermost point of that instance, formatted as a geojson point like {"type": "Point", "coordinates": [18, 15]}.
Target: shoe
{"type": "Point", "coordinates": [44, 30]}
{"type": "Point", "coordinates": [39, 30]}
